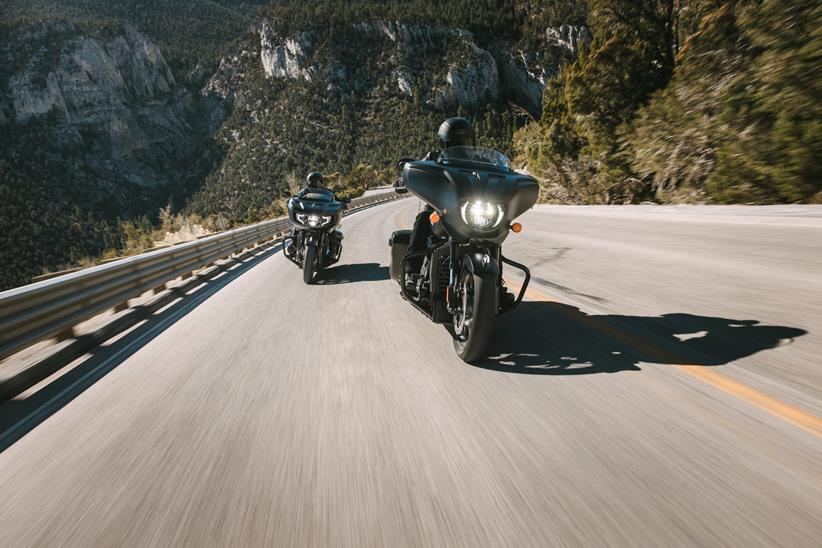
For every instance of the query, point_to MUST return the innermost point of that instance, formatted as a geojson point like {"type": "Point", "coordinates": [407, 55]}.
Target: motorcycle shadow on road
{"type": "Point", "coordinates": [352, 273]}
{"type": "Point", "coordinates": [550, 338]}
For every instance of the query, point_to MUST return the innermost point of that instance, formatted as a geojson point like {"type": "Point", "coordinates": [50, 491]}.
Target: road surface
{"type": "Point", "coordinates": [661, 386]}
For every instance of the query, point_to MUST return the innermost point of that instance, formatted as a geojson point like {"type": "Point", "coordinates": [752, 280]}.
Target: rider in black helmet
{"type": "Point", "coordinates": [314, 180]}
{"type": "Point", "coordinates": [454, 132]}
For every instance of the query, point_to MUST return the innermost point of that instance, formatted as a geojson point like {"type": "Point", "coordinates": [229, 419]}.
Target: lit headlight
{"type": "Point", "coordinates": [481, 214]}
{"type": "Point", "coordinates": [313, 220]}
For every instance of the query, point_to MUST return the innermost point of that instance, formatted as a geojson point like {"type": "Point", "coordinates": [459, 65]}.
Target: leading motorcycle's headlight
{"type": "Point", "coordinates": [312, 220]}
{"type": "Point", "coordinates": [481, 214]}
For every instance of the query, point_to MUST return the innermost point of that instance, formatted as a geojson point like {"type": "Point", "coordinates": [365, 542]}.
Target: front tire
{"type": "Point", "coordinates": [309, 262]}
{"type": "Point", "coordinates": [474, 320]}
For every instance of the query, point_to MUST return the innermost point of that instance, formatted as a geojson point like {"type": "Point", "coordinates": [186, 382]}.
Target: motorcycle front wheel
{"type": "Point", "coordinates": [474, 318]}
{"type": "Point", "coordinates": [309, 263]}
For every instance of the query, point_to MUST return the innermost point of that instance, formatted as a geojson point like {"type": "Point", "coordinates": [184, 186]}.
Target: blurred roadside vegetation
{"type": "Point", "coordinates": [712, 101]}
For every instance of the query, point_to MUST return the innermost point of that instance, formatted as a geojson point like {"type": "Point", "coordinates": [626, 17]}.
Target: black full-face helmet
{"type": "Point", "coordinates": [456, 132]}
{"type": "Point", "coordinates": [315, 179]}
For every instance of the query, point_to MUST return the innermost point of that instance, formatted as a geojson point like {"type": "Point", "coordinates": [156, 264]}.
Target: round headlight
{"type": "Point", "coordinates": [481, 214]}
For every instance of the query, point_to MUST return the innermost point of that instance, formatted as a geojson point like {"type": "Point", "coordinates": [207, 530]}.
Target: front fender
{"type": "Point", "coordinates": [486, 267]}
{"type": "Point", "coordinates": [480, 263]}
{"type": "Point", "coordinates": [311, 238]}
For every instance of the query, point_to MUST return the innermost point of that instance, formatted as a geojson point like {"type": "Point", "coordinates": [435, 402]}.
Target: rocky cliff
{"type": "Point", "coordinates": [455, 69]}
{"type": "Point", "coordinates": [111, 105]}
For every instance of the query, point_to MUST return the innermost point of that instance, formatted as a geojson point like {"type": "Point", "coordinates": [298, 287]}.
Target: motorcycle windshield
{"type": "Point", "coordinates": [477, 155]}
{"type": "Point", "coordinates": [317, 195]}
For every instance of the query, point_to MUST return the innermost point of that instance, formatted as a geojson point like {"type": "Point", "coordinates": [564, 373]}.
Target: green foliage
{"type": "Point", "coordinates": [42, 227]}
{"type": "Point", "coordinates": [583, 109]}
{"type": "Point", "coordinates": [674, 137]}
{"type": "Point", "coordinates": [774, 108]}
{"type": "Point", "coordinates": [690, 100]}
{"type": "Point", "coordinates": [354, 183]}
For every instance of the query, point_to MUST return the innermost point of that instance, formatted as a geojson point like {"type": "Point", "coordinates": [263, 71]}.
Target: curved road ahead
{"type": "Point", "coordinates": [660, 387]}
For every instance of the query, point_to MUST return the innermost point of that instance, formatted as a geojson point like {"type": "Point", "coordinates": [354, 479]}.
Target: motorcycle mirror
{"type": "Point", "coordinates": [401, 164]}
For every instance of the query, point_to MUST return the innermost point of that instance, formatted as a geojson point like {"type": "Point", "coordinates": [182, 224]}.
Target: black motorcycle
{"type": "Point", "coordinates": [455, 277]}
{"type": "Point", "coordinates": [315, 242]}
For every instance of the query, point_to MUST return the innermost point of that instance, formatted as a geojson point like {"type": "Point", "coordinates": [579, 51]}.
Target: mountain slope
{"type": "Point", "coordinates": [330, 98]}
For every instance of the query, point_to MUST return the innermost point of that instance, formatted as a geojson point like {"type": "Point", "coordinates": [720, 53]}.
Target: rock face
{"type": "Point", "coordinates": [454, 68]}
{"type": "Point", "coordinates": [476, 82]}
{"type": "Point", "coordinates": [285, 59]}
{"type": "Point", "coordinates": [114, 99]}
{"type": "Point", "coordinates": [525, 73]}
{"type": "Point", "coordinates": [568, 37]}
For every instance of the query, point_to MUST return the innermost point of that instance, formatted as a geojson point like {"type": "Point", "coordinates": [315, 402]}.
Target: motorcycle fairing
{"type": "Point", "coordinates": [447, 187]}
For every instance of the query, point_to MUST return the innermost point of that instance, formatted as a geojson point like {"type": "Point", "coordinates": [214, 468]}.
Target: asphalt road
{"type": "Point", "coordinates": [661, 386]}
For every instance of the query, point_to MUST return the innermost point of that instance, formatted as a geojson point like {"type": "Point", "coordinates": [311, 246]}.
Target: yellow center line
{"type": "Point", "coordinates": [789, 413]}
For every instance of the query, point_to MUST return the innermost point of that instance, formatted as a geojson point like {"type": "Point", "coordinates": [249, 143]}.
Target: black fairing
{"type": "Point", "coordinates": [317, 207]}
{"type": "Point", "coordinates": [447, 187]}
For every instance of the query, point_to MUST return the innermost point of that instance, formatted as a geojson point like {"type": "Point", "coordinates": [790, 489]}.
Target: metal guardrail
{"type": "Point", "coordinates": [45, 309]}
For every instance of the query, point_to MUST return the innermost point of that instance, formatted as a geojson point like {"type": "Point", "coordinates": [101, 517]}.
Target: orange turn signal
{"type": "Point", "coordinates": [434, 218]}
{"type": "Point", "coordinates": [516, 228]}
